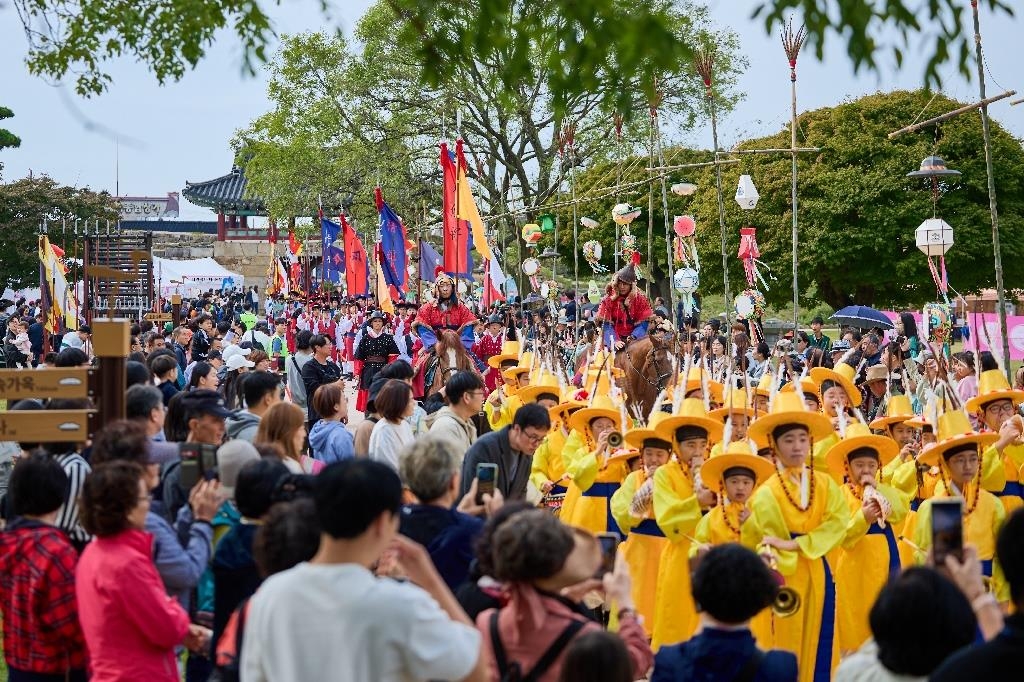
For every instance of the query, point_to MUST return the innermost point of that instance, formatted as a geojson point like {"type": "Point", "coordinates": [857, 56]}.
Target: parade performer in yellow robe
{"type": "Point", "coordinates": [735, 415]}
{"type": "Point", "coordinates": [839, 393]}
{"type": "Point", "coordinates": [800, 515]}
{"type": "Point", "coordinates": [868, 555]}
{"type": "Point", "coordinates": [893, 422]}
{"type": "Point", "coordinates": [593, 467]}
{"type": "Point", "coordinates": [679, 496]}
{"type": "Point", "coordinates": [957, 453]}
{"type": "Point", "coordinates": [995, 405]}
{"type": "Point", "coordinates": [547, 473]}
{"type": "Point", "coordinates": [633, 509]}
{"type": "Point", "coordinates": [502, 404]}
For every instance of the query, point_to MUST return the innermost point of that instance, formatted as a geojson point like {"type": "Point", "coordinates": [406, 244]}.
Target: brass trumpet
{"type": "Point", "coordinates": [786, 603]}
{"type": "Point", "coordinates": [615, 439]}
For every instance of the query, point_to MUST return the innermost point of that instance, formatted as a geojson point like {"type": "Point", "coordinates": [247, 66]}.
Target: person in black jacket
{"type": "Point", "coordinates": [511, 449]}
{"type": "Point", "coordinates": [201, 339]}
{"type": "Point", "coordinates": [319, 370]}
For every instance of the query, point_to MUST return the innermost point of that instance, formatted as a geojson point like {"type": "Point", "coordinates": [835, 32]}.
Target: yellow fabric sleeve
{"type": "Point", "coordinates": [904, 477]}
{"type": "Point", "coordinates": [621, 501]}
{"type": "Point", "coordinates": [765, 509]}
{"type": "Point", "coordinates": [539, 468]}
{"type": "Point", "coordinates": [832, 528]}
{"type": "Point", "coordinates": [993, 471]}
{"type": "Point", "coordinates": [676, 516]}
{"type": "Point", "coordinates": [702, 534]}
{"type": "Point", "coordinates": [583, 467]}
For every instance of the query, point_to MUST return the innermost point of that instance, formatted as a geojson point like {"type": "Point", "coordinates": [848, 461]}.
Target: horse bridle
{"type": "Point", "coordinates": [652, 355]}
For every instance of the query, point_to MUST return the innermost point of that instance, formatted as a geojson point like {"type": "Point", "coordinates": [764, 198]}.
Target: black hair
{"type": "Point", "coordinates": [1010, 552]}
{"type": "Point", "coordinates": [162, 365]}
{"type": "Point", "coordinates": [71, 357]}
{"type": "Point", "coordinates": [460, 383]}
{"type": "Point", "coordinates": [223, 327]}
{"type": "Point", "coordinates": [782, 429]}
{"type": "Point", "coordinates": [199, 372]}
{"type": "Point", "coordinates": [531, 546]}
{"type": "Point", "coordinates": [318, 341]}
{"type": "Point", "coordinates": [909, 325]}
{"type": "Point", "coordinates": [290, 534]}
{"type": "Point", "coordinates": [256, 385]}
{"type": "Point", "coordinates": [37, 485]}
{"type": "Point", "coordinates": [28, 404]}
{"type": "Point", "coordinates": [597, 655]}
{"type": "Point", "coordinates": [399, 369]}
{"type": "Point", "coordinates": [688, 432]}
{"type": "Point", "coordinates": [966, 357]}
{"type": "Point", "coordinates": [137, 373]}
{"type": "Point", "coordinates": [352, 494]}
{"type": "Point", "coordinates": [918, 620]}
{"type": "Point", "coordinates": [732, 584]}
{"type": "Point", "coordinates": [484, 546]}
{"type": "Point", "coordinates": [533, 415]}
{"type": "Point", "coordinates": [302, 339]}
{"type": "Point", "coordinates": [863, 452]}
{"type": "Point", "coordinates": [802, 336]}
{"type": "Point", "coordinates": [987, 361]}
{"type": "Point", "coordinates": [254, 488]}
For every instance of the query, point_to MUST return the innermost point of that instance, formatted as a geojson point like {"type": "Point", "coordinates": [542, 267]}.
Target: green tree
{"type": "Point", "coordinates": [857, 209]}
{"type": "Point", "coordinates": [23, 206]}
{"type": "Point", "coordinates": [636, 40]}
{"type": "Point", "coordinates": [7, 138]}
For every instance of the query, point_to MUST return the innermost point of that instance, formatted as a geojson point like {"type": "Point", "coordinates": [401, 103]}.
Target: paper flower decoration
{"type": "Point", "coordinates": [532, 234]}
{"type": "Point", "coordinates": [589, 223]}
{"type": "Point", "coordinates": [592, 254]}
{"type": "Point", "coordinates": [684, 225]}
{"type": "Point", "coordinates": [624, 214]}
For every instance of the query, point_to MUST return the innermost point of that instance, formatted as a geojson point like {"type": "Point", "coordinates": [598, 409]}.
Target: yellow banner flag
{"type": "Point", "coordinates": [468, 211]}
{"type": "Point", "coordinates": [383, 293]}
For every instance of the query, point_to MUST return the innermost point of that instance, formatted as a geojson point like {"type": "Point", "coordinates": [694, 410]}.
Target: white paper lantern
{"type": "Point", "coordinates": [746, 193]}
{"type": "Point", "coordinates": [686, 280]}
{"type": "Point", "coordinates": [934, 237]}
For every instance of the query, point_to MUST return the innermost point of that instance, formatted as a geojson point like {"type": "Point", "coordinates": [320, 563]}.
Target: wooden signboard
{"type": "Point", "coordinates": [45, 426]}
{"type": "Point", "coordinates": [157, 317]}
{"type": "Point", "coordinates": [18, 384]}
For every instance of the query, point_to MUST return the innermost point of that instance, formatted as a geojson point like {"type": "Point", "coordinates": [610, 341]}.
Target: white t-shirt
{"type": "Point", "coordinates": [387, 441]}
{"type": "Point", "coordinates": [340, 622]}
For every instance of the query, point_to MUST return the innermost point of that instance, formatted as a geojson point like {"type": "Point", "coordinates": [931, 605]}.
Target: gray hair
{"type": "Point", "coordinates": [428, 466]}
{"type": "Point", "coordinates": [141, 400]}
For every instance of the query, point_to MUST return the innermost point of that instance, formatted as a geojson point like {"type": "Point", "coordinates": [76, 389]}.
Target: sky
{"type": "Point", "coordinates": [146, 140]}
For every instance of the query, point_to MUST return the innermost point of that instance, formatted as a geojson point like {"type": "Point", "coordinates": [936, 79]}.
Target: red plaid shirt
{"type": "Point", "coordinates": [37, 593]}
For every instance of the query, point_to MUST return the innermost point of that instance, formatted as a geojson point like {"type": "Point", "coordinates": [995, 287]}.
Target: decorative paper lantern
{"type": "Point", "coordinates": [746, 193]}
{"type": "Point", "coordinates": [684, 189]}
{"type": "Point", "coordinates": [750, 303]}
{"type": "Point", "coordinates": [593, 291]}
{"type": "Point", "coordinates": [684, 225]}
{"type": "Point", "coordinates": [531, 234]}
{"type": "Point", "coordinates": [624, 214]}
{"type": "Point", "coordinates": [592, 254]}
{"type": "Point", "coordinates": [686, 280]}
{"type": "Point", "coordinates": [547, 222]}
{"type": "Point", "coordinates": [531, 266]}
{"type": "Point", "coordinates": [588, 223]}
{"type": "Point", "coordinates": [934, 237]}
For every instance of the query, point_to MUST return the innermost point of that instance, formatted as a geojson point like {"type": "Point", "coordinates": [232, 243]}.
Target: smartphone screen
{"type": "Point", "coordinates": [609, 548]}
{"type": "Point", "coordinates": [947, 530]}
{"type": "Point", "coordinates": [486, 478]}
{"type": "Point", "coordinates": [208, 461]}
{"type": "Point", "coordinates": [190, 466]}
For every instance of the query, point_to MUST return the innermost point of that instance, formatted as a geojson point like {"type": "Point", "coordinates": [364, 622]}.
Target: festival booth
{"type": "Point", "coordinates": [190, 278]}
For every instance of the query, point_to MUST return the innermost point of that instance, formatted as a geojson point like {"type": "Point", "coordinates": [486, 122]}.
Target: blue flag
{"type": "Point", "coordinates": [430, 260]}
{"type": "Point", "coordinates": [392, 245]}
{"type": "Point", "coordinates": [333, 267]}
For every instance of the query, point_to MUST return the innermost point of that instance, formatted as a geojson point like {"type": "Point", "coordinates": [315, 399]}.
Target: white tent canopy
{"type": "Point", "coordinates": [192, 277]}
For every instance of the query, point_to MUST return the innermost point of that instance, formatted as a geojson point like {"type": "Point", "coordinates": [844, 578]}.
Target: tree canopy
{"type": "Point", "coordinates": [857, 209]}
{"type": "Point", "coordinates": [7, 138]}
{"type": "Point", "coordinates": [633, 41]}
{"type": "Point", "coordinates": [23, 206]}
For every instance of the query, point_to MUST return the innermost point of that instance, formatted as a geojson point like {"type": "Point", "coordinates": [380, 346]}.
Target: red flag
{"type": "Point", "coordinates": [456, 232]}
{"type": "Point", "coordinates": [294, 245]}
{"type": "Point", "coordinates": [357, 268]}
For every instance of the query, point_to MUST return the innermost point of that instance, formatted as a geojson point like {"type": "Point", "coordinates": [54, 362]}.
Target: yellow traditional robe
{"type": "Point", "coordinates": [981, 527]}
{"type": "Point", "coordinates": [1012, 494]}
{"type": "Point", "coordinates": [677, 512]}
{"type": "Point", "coordinates": [574, 448]}
{"type": "Point", "coordinates": [500, 417]}
{"type": "Point", "coordinates": [597, 481]}
{"type": "Point", "coordinates": [868, 556]}
{"type": "Point", "coordinates": [821, 448]}
{"type": "Point", "coordinates": [643, 548]}
{"type": "Point", "coordinates": [548, 464]}
{"type": "Point", "coordinates": [810, 632]}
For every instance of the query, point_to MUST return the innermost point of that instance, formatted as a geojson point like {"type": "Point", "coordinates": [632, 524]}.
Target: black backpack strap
{"type": "Point", "coordinates": [500, 659]}
{"type": "Point", "coordinates": [749, 670]}
{"type": "Point", "coordinates": [549, 657]}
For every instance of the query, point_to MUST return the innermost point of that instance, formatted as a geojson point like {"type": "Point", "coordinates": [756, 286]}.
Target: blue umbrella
{"type": "Point", "coordinates": [861, 316]}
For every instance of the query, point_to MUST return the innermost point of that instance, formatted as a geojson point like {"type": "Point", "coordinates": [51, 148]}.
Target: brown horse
{"type": "Point", "coordinates": [449, 356]}
{"type": "Point", "coordinates": [647, 366]}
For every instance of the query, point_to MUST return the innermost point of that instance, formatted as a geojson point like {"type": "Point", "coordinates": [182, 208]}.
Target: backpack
{"type": "Point", "coordinates": [228, 651]}
{"type": "Point", "coordinates": [512, 671]}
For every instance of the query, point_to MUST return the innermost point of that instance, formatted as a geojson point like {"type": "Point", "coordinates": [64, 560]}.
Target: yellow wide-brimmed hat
{"type": "Point", "coordinates": [545, 382]}
{"type": "Point", "coordinates": [807, 385]}
{"type": "Point", "coordinates": [637, 435]}
{"type": "Point", "coordinates": [738, 455]}
{"type": "Point", "coordinates": [735, 403]}
{"type": "Point", "coordinates": [603, 406]}
{"type": "Point", "coordinates": [764, 386]}
{"type": "Point", "coordinates": [568, 401]}
{"type": "Point", "coordinates": [525, 363]}
{"type": "Point", "coordinates": [858, 436]}
{"type": "Point", "coordinates": [789, 408]}
{"type": "Point", "coordinates": [954, 430]}
{"type": "Point", "coordinates": [992, 386]}
{"type": "Point", "coordinates": [691, 413]}
{"type": "Point", "coordinates": [843, 375]}
{"type": "Point", "coordinates": [509, 351]}
{"type": "Point", "coordinates": [897, 411]}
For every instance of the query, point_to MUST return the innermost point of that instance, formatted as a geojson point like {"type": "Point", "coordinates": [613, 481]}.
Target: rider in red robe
{"type": "Point", "coordinates": [624, 311]}
{"type": "Point", "coordinates": [446, 311]}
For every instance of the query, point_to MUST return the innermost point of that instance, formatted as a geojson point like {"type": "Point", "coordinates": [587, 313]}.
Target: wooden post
{"type": "Point", "coordinates": [175, 309]}
{"type": "Point", "coordinates": [111, 344]}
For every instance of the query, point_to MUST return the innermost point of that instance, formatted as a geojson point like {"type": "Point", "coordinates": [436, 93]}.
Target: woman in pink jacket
{"type": "Point", "coordinates": [547, 567]}
{"type": "Point", "coordinates": [130, 624]}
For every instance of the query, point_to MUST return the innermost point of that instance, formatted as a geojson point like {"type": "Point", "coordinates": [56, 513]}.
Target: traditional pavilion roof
{"type": "Point", "coordinates": [225, 194]}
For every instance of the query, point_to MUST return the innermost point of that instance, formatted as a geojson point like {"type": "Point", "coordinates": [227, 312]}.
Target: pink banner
{"type": "Point", "coordinates": [980, 335]}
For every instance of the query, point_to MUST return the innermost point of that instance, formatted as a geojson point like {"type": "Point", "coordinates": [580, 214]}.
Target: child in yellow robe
{"type": "Point", "coordinates": [678, 500]}
{"type": "Point", "coordinates": [633, 509]}
{"type": "Point", "coordinates": [592, 467]}
{"type": "Point", "coordinates": [995, 405]}
{"type": "Point", "coordinates": [547, 473]}
{"type": "Point", "coordinates": [800, 515]}
{"type": "Point", "coordinates": [868, 556]}
{"type": "Point", "coordinates": [503, 403]}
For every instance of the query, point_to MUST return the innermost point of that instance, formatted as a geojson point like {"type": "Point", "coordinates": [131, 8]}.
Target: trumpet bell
{"type": "Point", "coordinates": [615, 439]}
{"type": "Point", "coordinates": [787, 602]}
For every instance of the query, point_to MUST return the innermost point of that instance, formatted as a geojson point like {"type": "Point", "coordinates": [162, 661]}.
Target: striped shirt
{"type": "Point", "coordinates": [77, 469]}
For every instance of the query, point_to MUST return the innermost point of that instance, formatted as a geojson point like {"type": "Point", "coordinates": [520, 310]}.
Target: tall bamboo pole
{"type": "Point", "coordinates": [986, 134]}
{"type": "Point", "coordinates": [668, 233]}
{"type": "Point", "coordinates": [792, 41]}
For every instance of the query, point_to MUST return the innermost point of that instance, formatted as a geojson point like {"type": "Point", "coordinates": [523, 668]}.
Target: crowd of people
{"type": "Point", "coordinates": [312, 490]}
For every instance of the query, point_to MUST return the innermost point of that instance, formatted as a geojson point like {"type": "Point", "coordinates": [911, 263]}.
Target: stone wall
{"type": "Point", "coordinates": [248, 258]}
